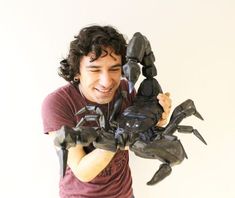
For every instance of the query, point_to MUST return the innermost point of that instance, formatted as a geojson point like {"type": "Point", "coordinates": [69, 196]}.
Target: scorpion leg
{"type": "Point", "coordinates": [190, 129]}
{"type": "Point", "coordinates": [163, 171]}
{"type": "Point", "coordinates": [170, 151]}
{"type": "Point", "coordinates": [170, 147]}
{"type": "Point", "coordinates": [185, 109]}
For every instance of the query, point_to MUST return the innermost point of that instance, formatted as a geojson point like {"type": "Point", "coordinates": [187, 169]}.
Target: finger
{"type": "Point", "coordinates": [166, 107]}
{"type": "Point", "coordinates": [164, 116]}
{"type": "Point", "coordinates": [160, 96]}
{"type": "Point", "coordinates": [126, 148]}
{"type": "Point", "coordinates": [165, 98]}
{"type": "Point", "coordinates": [164, 94]}
{"type": "Point", "coordinates": [168, 103]}
{"type": "Point", "coordinates": [168, 94]}
{"type": "Point", "coordinates": [161, 122]}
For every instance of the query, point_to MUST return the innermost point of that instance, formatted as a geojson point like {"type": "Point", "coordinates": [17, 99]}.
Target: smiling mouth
{"type": "Point", "coordinates": [104, 90]}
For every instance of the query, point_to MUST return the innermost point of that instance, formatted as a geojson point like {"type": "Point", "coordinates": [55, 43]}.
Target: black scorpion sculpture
{"type": "Point", "coordinates": [136, 126]}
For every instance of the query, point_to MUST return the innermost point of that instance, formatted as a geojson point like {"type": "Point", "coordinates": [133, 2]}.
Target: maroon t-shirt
{"type": "Point", "coordinates": [114, 181]}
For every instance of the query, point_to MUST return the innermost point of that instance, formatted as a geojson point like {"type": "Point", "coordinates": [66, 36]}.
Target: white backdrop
{"type": "Point", "coordinates": [194, 45]}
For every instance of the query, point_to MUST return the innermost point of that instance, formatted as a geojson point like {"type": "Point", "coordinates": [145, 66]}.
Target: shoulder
{"type": "Point", "coordinates": [60, 95]}
{"type": "Point", "coordinates": [58, 108]}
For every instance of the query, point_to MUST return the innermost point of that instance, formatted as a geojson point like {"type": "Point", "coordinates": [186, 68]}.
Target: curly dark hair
{"type": "Point", "coordinates": [91, 39]}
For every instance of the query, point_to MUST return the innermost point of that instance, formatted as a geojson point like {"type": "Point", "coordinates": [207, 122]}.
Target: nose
{"type": "Point", "coordinates": [105, 80]}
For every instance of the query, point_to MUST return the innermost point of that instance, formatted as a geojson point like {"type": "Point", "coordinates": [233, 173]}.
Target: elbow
{"type": "Point", "coordinates": [84, 178]}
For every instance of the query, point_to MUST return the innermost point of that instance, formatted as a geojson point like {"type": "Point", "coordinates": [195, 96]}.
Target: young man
{"type": "Point", "coordinates": [93, 69]}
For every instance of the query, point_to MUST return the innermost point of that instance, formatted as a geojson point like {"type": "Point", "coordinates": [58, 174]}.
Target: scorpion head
{"type": "Point", "coordinates": [131, 127]}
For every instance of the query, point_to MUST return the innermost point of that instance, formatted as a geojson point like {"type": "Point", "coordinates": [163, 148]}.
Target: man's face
{"type": "Point", "coordinates": [100, 79]}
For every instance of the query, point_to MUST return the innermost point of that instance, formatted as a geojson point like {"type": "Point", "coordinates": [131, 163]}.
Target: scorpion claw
{"type": "Point", "coordinates": [63, 156]}
{"type": "Point", "coordinates": [163, 171]}
{"type": "Point", "coordinates": [64, 139]}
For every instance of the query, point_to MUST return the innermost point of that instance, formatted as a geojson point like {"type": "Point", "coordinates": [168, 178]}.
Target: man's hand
{"type": "Point", "coordinates": [165, 102]}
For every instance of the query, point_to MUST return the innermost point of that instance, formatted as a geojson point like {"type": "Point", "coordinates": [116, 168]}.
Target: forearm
{"type": "Point", "coordinates": [88, 166]}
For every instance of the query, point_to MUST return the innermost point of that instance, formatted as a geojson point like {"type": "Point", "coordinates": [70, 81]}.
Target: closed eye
{"type": "Point", "coordinates": [115, 69]}
{"type": "Point", "coordinates": [94, 70]}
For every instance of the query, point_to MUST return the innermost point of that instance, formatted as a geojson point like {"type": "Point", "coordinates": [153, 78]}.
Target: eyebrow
{"type": "Point", "coordinates": [98, 66]}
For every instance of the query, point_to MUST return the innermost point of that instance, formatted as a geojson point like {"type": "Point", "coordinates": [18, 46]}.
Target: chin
{"type": "Point", "coordinates": [103, 100]}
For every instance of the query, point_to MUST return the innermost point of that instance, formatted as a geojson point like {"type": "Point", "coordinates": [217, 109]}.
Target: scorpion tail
{"type": "Point", "coordinates": [163, 171]}
{"type": "Point", "coordinates": [131, 86]}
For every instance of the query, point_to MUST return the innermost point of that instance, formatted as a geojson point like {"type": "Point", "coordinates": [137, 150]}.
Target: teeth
{"type": "Point", "coordinates": [104, 91]}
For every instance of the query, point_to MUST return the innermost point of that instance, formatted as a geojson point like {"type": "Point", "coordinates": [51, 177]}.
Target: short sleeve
{"type": "Point", "coordinates": [56, 112]}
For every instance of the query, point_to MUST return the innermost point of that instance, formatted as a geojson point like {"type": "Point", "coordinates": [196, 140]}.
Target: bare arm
{"type": "Point", "coordinates": [87, 166]}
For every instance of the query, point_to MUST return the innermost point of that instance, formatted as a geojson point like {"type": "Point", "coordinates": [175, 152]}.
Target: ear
{"type": "Point", "coordinates": [76, 77]}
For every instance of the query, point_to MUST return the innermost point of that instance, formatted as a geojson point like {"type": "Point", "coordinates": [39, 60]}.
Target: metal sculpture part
{"type": "Point", "coordinates": [136, 126]}
{"type": "Point", "coordinates": [101, 135]}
